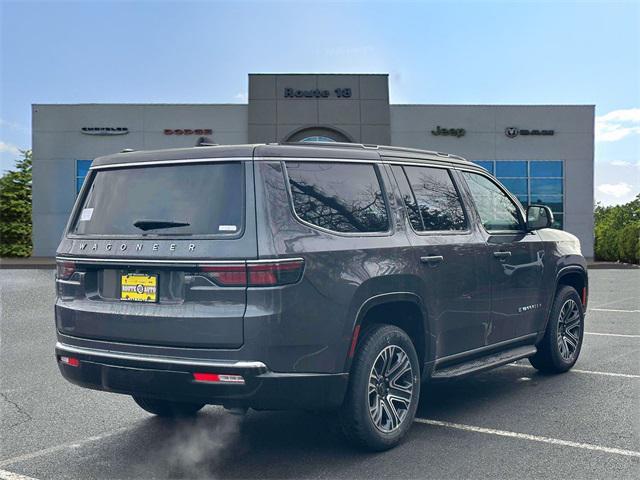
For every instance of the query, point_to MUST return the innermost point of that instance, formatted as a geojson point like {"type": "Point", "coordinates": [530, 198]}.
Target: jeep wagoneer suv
{"type": "Point", "coordinates": [312, 276]}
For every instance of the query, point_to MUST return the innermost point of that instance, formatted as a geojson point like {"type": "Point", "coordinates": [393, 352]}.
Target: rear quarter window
{"type": "Point", "coordinates": [341, 197]}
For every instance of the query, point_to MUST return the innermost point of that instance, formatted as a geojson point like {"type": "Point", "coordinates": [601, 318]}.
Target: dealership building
{"type": "Point", "coordinates": [542, 153]}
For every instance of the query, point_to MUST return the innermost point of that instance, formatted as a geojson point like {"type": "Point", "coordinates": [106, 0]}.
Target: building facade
{"type": "Point", "coordinates": [542, 153]}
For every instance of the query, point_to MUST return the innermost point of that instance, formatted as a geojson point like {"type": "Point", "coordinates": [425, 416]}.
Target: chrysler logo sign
{"type": "Point", "coordinates": [513, 132]}
{"type": "Point", "coordinates": [105, 130]}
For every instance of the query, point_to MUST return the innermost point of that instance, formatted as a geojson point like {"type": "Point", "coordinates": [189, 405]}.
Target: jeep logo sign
{"type": "Point", "coordinates": [452, 132]}
{"type": "Point", "coordinates": [513, 132]}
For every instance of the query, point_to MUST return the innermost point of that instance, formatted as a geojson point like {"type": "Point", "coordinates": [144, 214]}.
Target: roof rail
{"type": "Point", "coordinates": [372, 147]}
{"type": "Point", "coordinates": [326, 144]}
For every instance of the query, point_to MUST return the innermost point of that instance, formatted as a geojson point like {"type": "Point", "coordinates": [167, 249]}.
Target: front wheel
{"type": "Point", "coordinates": [168, 408]}
{"type": "Point", "coordinates": [384, 389]}
{"type": "Point", "coordinates": [560, 347]}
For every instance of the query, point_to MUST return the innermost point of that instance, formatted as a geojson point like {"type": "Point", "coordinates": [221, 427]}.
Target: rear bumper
{"type": "Point", "coordinates": [172, 379]}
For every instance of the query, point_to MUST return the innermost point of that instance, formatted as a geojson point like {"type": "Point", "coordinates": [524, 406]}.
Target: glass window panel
{"type": "Point", "coordinates": [496, 210]}
{"type": "Point", "coordinates": [409, 199]}
{"type": "Point", "coordinates": [79, 182]}
{"type": "Point", "coordinates": [524, 199]}
{"type": "Point", "coordinates": [123, 197]}
{"type": "Point", "coordinates": [486, 164]}
{"type": "Point", "coordinates": [511, 169]}
{"type": "Point", "coordinates": [546, 186]}
{"type": "Point", "coordinates": [558, 221]}
{"type": "Point", "coordinates": [82, 167]}
{"type": "Point", "coordinates": [515, 185]}
{"type": "Point", "coordinates": [546, 168]}
{"type": "Point", "coordinates": [438, 201]}
{"type": "Point", "coordinates": [343, 197]}
{"type": "Point", "coordinates": [554, 202]}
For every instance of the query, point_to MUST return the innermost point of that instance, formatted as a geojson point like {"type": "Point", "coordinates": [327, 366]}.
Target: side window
{"type": "Point", "coordinates": [435, 198]}
{"type": "Point", "coordinates": [497, 211]}
{"type": "Point", "coordinates": [343, 197]}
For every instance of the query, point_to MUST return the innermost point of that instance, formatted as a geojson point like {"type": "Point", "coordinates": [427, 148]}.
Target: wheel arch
{"type": "Point", "coordinates": [574, 276]}
{"type": "Point", "coordinates": [402, 309]}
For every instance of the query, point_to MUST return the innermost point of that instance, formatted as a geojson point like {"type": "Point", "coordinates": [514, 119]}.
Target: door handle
{"type": "Point", "coordinates": [502, 255]}
{"type": "Point", "coordinates": [432, 259]}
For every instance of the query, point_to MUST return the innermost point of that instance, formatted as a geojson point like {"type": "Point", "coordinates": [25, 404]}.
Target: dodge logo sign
{"type": "Point", "coordinates": [513, 132]}
{"type": "Point", "coordinates": [188, 131]}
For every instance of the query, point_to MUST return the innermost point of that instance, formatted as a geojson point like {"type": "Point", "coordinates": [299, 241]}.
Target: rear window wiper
{"type": "Point", "coordinates": [155, 224]}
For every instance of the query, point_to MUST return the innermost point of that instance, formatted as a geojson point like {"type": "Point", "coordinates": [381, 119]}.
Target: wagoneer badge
{"type": "Point", "coordinates": [155, 247]}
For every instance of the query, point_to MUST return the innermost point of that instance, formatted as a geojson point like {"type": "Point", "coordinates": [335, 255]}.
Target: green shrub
{"type": "Point", "coordinates": [617, 232]}
{"type": "Point", "coordinates": [15, 209]}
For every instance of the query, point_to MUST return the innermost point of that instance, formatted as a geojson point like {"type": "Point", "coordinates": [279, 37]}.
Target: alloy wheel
{"type": "Point", "coordinates": [390, 389]}
{"type": "Point", "coordinates": [569, 329]}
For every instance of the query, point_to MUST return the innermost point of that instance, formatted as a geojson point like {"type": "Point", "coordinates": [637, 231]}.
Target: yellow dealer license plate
{"type": "Point", "coordinates": [137, 287]}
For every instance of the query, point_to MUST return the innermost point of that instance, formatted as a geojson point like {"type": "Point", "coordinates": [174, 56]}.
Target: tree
{"type": "Point", "coordinates": [15, 209]}
{"type": "Point", "coordinates": [617, 232]}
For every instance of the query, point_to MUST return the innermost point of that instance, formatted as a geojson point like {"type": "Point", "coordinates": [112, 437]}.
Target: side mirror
{"type": "Point", "coordinates": [539, 216]}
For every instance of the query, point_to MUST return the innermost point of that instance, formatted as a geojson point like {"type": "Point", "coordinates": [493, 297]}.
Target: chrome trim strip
{"type": "Point", "coordinates": [177, 262]}
{"type": "Point", "coordinates": [425, 164]}
{"type": "Point", "coordinates": [142, 261]}
{"type": "Point", "coordinates": [68, 282]}
{"type": "Point", "coordinates": [485, 348]}
{"type": "Point", "coordinates": [169, 162]}
{"type": "Point", "coordinates": [156, 359]}
{"type": "Point", "coordinates": [321, 159]}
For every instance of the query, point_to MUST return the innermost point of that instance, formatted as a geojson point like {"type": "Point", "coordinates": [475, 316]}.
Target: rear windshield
{"type": "Point", "coordinates": [188, 199]}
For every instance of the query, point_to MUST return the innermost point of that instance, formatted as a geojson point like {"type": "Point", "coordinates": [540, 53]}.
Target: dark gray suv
{"type": "Point", "coordinates": [313, 276]}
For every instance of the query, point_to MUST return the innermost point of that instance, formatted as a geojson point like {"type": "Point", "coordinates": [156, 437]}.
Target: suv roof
{"type": "Point", "coordinates": [270, 150]}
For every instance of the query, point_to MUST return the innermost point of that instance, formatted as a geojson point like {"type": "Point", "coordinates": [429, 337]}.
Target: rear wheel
{"type": "Point", "coordinates": [384, 389]}
{"type": "Point", "coordinates": [167, 408]}
{"type": "Point", "coordinates": [560, 347]}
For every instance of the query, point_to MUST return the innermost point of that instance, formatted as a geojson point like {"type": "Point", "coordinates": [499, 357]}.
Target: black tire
{"type": "Point", "coordinates": [356, 420]}
{"type": "Point", "coordinates": [558, 338]}
{"type": "Point", "coordinates": [168, 408]}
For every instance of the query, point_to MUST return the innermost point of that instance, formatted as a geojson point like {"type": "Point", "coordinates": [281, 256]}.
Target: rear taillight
{"type": "Point", "coordinates": [268, 273]}
{"type": "Point", "coordinates": [65, 269]}
{"type": "Point", "coordinates": [227, 275]}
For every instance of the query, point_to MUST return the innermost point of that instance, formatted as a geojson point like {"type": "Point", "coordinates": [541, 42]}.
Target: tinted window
{"type": "Point", "coordinates": [496, 210]}
{"type": "Point", "coordinates": [486, 164]}
{"type": "Point", "coordinates": [511, 169]}
{"type": "Point", "coordinates": [182, 200]}
{"type": "Point", "coordinates": [437, 199]}
{"type": "Point", "coordinates": [546, 168]}
{"type": "Point", "coordinates": [343, 197]}
{"type": "Point", "coordinates": [408, 198]}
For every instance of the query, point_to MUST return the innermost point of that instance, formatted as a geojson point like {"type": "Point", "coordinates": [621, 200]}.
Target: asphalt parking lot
{"type": "Point", "coordinates": [508, 423]}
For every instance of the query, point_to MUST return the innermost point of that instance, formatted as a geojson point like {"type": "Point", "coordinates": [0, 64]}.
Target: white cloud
{"type": "Point", "coordinates": [618, 124]}
{"type": "Point", "coordinates": [617, 190]}
{"type": "Point", "coordinates": [242, 96]}
{"type": "Point", "coordinates": [9, 149]}
{"type": "Point", "coordinates": [624, 163]}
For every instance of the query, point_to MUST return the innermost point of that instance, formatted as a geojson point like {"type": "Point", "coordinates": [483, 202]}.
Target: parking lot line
{"type": "Point", "coordinates": [5, 475]}
{"type": "Point", "coordinates": [612, 334]}
{"type": "Point", "coordinates": [62, 446]}
{"type": "Point", "coordinates": [526, 436]}
{"type": "Point", "coordinates": [613, 310]}
{"type": "Point", "coordinates": [590, 372]}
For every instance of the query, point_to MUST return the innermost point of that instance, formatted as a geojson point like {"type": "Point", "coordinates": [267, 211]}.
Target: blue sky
{"type": "Point", "coordinates": [450, 52]}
